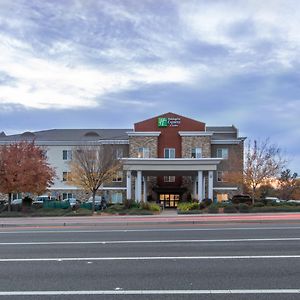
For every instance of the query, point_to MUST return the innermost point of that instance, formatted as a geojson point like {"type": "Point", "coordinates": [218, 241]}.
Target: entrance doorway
{"type": "Point", "coordinates": [169, 200]}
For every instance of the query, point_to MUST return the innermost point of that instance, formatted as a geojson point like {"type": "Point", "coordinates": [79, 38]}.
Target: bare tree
{"type": "Point", "coordinates": [93, 165]}
{"type": "Point", "coordinates": [263, 162]}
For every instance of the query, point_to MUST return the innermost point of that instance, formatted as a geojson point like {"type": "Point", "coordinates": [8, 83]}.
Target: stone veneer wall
{"type": "Point", "coordinates": [136, 142]}
{"type": "Point", "coordinates": [189, 142]}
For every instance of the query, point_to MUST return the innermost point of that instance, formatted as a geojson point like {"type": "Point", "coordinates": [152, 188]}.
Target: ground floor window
{"type": "Point", "coordinates": [67, 195]}
{"type": "Point", "coordinates": [222, 197]}
{"type": "Point", "coordinates": [116, 198]}
{"type": "Point", "coordinates": [169, 178]}
{"type": "Point", "coordinates": [169, 200]}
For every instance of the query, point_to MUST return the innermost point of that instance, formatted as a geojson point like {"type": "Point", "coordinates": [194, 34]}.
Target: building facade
{"type": "Point", "coordinates": [165, 159]}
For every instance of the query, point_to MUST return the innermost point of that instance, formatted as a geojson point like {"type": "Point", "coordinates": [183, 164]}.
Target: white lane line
{"type": "Point", "coordinates": [232, 257]}
{"type": "Point", "coordinates": [149, 230]}
{"type": "Point", "coordinates": [150, 292]}
{"type": "Point", "coordinates": [149, 241]}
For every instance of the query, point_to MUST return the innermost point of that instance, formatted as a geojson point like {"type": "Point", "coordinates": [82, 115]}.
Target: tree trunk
{"type": "Point", "coordinates": [253, 195]}
{"type": "Point", "coordinates": [9, 202]}
{"type": "Point", "coordinates": [93, 203]}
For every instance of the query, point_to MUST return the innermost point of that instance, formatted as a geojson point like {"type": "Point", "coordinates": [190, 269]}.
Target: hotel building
{"type": "Point", "coordinates": [165, 159]}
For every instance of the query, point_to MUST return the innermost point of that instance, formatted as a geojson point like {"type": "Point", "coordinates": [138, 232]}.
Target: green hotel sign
{"type": "Point", "coordinates": [168, 122]}
{"type": "Point", "coordinates": [162, 122]}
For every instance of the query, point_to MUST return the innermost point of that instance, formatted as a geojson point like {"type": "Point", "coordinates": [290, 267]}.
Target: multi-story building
{"type": "Point", "coordinates": [165, 159]}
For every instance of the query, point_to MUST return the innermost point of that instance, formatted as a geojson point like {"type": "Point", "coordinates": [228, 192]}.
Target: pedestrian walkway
{"type": "Point", "coordinates": [169, 212]}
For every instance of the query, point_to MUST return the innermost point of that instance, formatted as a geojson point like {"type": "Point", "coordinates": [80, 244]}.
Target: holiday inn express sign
{"type": "Point", "coordinates": [168, 122]}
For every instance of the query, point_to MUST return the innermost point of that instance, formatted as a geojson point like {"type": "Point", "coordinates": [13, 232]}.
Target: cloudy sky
{"type": "Point", "coordinates": [108, 64]}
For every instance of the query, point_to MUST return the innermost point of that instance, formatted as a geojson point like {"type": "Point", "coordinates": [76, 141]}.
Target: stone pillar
{"type": "Point", "coordinates": [145, 189]}
{"type": "Point", "coordinates": [128, 185]}
{"type": "Point", "coordinates": [200, 182]}
{"type": "Point", "coordinates": [210, 184]}
{"type": "Point", "coordinates": [139, 186]}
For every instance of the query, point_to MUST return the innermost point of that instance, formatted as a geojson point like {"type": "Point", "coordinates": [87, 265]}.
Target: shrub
{"type": "Point", "coordinates": [205, 203]}
{"type": "Point", "coordinates": [229, 209]}
{"type": "Point", "coordinates": [213, 209]}
{"type": "Point", "coordinates": [243, 208]}
{"type": "Point", "coordinates": [154, 207]}
{"type": "Point", "coordinates": [187, 206]}
{"type": "Point", "coordinates": [258, 204]}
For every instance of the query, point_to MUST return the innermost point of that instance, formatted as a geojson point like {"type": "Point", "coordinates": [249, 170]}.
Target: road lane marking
{"type": "Point", "coordinates": [149, 292]}
{"type": "Point", "coordinates": [149, 230]}
{"type": "Point", "coordinates": [229, 257]}
{"type": "Point", "coordinates": [149, 241]}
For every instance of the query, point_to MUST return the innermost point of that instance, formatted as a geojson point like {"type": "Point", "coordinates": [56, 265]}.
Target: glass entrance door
{"type": "Point", "coordinates": [169, 200]}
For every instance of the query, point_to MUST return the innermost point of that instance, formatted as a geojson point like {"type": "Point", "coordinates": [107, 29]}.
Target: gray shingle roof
{"type": "Point", "coordinates": [71, 135]}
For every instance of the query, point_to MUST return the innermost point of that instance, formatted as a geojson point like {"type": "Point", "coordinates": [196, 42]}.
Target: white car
{"type": "Point", "coordinates": [72, 201]}
{"type": "Point", "coordinates": [16, 202]}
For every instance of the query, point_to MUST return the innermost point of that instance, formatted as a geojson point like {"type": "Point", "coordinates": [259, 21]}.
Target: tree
{"type": "Point", "coordinates": [24, 168]}
{"type": "Point", "coordinates": [263, 162]}
{"type": "Point", "coordinates": [288, 184]}
{"type": "Point", "coordinates": [93, 165]}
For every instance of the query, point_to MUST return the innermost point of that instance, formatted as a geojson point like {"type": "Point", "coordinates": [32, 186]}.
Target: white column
{"type": "Point", "coordinates": [139, 186]}
{"type": "Point", "coordinates": [203, 192]}
{"type": "Point", "coordinates": [135, 189]}
{"type": "Point", "coordinates": [200, 182]}
{"type": "Point", "coordinates": [210, 184]}
{"type": "Point", "coordinates": [145, 189]}
{"type": "Point", "coordinates": [128, 185]}
{"type": "Point", "coordinates": [195, 187]}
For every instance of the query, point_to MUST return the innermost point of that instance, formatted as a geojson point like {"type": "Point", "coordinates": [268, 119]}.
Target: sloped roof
{"type": "Point", "coordinates": [72, 135]}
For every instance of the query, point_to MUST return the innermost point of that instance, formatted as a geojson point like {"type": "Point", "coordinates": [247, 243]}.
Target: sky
{"type": "Point", "coordinates": [111, 63]}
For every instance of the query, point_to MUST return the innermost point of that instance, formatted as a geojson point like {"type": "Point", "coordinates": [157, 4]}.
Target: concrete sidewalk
{"type": "Point", "coordinates": [98, 220]}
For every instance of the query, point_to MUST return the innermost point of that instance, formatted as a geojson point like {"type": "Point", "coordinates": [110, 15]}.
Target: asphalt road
{"type": "Point", "coordinates": [223, 261]}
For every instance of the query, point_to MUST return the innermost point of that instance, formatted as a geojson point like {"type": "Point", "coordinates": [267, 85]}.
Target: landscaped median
{"type": "Point", "coordinates": [258, 207]}
{"type": "Point", "coordinates": [60, 208]}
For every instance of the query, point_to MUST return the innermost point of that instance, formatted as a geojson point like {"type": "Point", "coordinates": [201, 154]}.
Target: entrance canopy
{"type": "Point", "coordinates": [140, 167]}
{"type": "Point", "coordinates": [170, 164]}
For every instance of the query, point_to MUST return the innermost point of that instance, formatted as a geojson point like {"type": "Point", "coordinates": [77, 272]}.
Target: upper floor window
{"type": "Point", "coordinates": [196, 152]}
{"type": "Point", "coordinates": [169, 152]}
{"type": "Point", "coordinates": [118, 177]}
{"type": "Point", "coordinates": [143, 152]}
{"type": "Point", "coordinates": [66, 176]}
{"type": "Point", "coordinates": [67, 154]}
{"type": "Point", "coordinates": [119, 153]}
{"type": "Point", "coordinates": [222, 153]}
{"type": "Point", "coordinates": [221, 176]}
{"type": "Point", "coordinates": [169, 178]}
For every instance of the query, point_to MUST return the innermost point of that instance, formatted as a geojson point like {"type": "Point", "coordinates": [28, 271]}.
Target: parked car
{"type": "Point", "coordinates": [39, 200]}
{"type": "Point", "coordinates": [74, 203]}
{"type": "Point", "coordinates": [17, 201]}
{"type": "Point", "coordinates": [272, 200]}
{"type": "Point", "coordinates": [237, 199]}
{"type": "Point", "coordinates": [100, 202]}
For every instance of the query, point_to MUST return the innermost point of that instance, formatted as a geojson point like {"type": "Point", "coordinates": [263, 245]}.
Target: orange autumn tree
{"type": "Point", "coordinates": [24, 168]}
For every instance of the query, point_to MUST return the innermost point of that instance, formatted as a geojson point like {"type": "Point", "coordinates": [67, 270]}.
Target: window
{"type": "Point", "coordinates": [222, 153]}
{"type": "Point", "coordinates": [67, 154]}
{"type": "Point", "coordinates": [67, 195]}
{"type": "Point", "coordinates": [143, 152]}
{"type": "Point", "coordinates": [169, 153]}
{"type": "Point", "coordinates": [118, 177]}
{"type": "Point", "coordinates": [66, 176]}
{"type": "Point", "coordinates": [196, 152]}
{"type": "Point", "coordinates": [119, 153]}
{"type": "Point", "coordinates": [116, 198]}
{"type": "Point", "coordinates": [221, 176]}
{"type": "Point", "coordinates": [16, 196]}
{"type": "Point", "coordinates": [169, 178]}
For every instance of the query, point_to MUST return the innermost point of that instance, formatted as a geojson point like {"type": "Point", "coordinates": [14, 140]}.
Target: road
{"type": "Point", "coordinates": [165, 261]}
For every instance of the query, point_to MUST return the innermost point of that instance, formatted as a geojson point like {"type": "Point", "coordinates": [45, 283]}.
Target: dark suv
{"type": "Point", "coordinates": [237, 199]}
